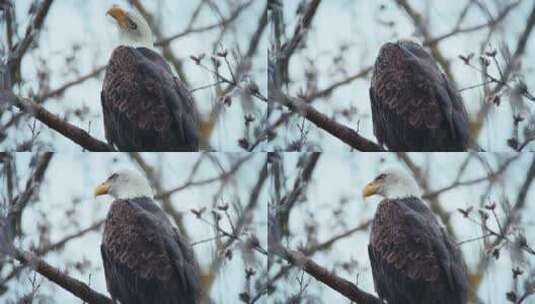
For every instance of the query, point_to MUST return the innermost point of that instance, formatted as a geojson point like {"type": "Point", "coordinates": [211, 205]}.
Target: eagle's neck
{"type": "Point", "coordinates": [136, 40]}
{"type": "Point", "coordinates": [133, 190]}
{"type": "Point", "coordinates": [402, 190]}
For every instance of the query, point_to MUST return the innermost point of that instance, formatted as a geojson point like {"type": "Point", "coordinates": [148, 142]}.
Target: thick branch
{"type": "Point", "coordinates": [19, 204]}
{"type": "Point", "coordinates": [343, 286]}
{"type": "Point", "coordinates": [255, 39]}
{"type": "Point", "coordinates": [300, 184]}
{"type": "Point", "coordinates": [299, 30]}
{"type": "Point", "coordinates": [340, 131]}
{"type": "Point", "coordinates": [72, 132]}
{"type": "Point", "coordinates": [33, 28]}
{"type": "Point", "coordinates": [76, 287]}
{"type": "Point", "coordinates": [277, 75]}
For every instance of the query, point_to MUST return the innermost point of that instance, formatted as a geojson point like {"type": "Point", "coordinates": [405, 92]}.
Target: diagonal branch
{"type": "Point", "coordinates": [41, 251]}
{"type": "Point", "coordinates": [301, 27]}
{"type": "Point", "coordinates": [22, 47]}
{"type": "Point", "coordinates": [18, 205]}
{"type": "Point", "coordinates": [343, 286]}
{"type": "Point", "coordinates": [67, 85]}
{"type": "Point", "coordinates": [508, 71]}
{"type": "Point", "coordinates": [224, 22]}
{"type": "Point", "coordinates": [74, 286]}
{"type": "Point", "coordinates": [328, 90]}
{"type": "Point", "coordinates": [489, 24]}
{"type": "Point", "coordinates": [77, 135]}
{"type": "Point", "coordinates": [327, 244]}
{"type": "Point", "coordinates": [278, 59]}
{"type": "Point", "coordinates": [338, 130]}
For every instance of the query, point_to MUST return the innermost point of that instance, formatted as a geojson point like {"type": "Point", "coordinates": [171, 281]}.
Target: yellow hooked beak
{"type": "Point", "coordinates": [102, 188]}
{"type": "Point", "coordinates": [120, 15]}
{"type": "Point", "coordinates": [370, 189]}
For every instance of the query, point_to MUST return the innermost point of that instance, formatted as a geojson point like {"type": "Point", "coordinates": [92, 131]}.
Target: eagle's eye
{"type": "Point", "coordinates": [380, 177]}
{"type": "Point", "coordinates": [112, 177]}
{"type": "Point", "coordinates": [131, 24]}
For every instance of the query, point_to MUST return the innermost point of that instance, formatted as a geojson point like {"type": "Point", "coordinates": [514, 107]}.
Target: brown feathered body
{"type": "Point", "coordinates": [413, 260]}
{"type": "Point", "coordinates": [146, 260]}
{"type": "Point", "coordinates": [145, 107]}
{"type": "Point", "coordinates": [414, 106]}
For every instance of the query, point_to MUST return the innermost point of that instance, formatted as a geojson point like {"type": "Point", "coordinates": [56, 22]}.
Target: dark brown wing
{"type": "Point", "coordinates": [377, 118]}
{"type": "Point", "coordinates": [459, 116]}
{"type": "Point", "coordinates": [414, 107]}
{"type": "Point", "coordinates": [412, 260]}
{"type": "Point", "coordinates": [145, 259]}
{"type": "Point", "coordinates": [145, 107]}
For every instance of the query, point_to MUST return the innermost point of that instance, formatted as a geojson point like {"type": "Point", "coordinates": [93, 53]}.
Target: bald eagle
{"type": "Point", "coordinates": [146, 260]}
{"type": "Point", "coordinates": [145, 107]}
{"type": "Point", "coordinates": [414, 105]}
{"type": "Point", "coordinates": [413, 259]}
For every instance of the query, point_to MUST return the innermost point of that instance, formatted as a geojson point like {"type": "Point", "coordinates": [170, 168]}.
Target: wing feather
{"type": "Point", "coordinates": [144, 109]}
{"type": "Point", "coordinates": [413, 261]}
{"type": "Point", "coordinates": [414, 106]}
{"type": "Point", "coordinates": [145, 260]}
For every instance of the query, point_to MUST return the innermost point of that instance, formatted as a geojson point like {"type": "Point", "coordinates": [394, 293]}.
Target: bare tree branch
{"type": "Point", "coordinates": [72, 132]}
{"type": "Point", "coordinates": [76, 287]}
{"type": "Point", "coordinates": [233, 16]}
{"type": "Point", "coordinates": [32, 184]}
{"type": "Point", "coordinates": [278, 61]}
{"type": "Point", "coordinates": [69, 84]}
{"type": "Point", "coordinates": [342, 132]}
{"type": "Point", "coordinates": [343, 286]}
{"type": "Point", "coordinates": [22, 47]}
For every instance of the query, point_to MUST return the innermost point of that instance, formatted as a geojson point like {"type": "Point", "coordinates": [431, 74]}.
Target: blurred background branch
{"type": "Point", "coordinates": [321, 55]}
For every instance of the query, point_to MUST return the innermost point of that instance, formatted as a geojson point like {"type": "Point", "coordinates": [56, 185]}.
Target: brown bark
{"type": "Point", "coordinates": [76, 287]}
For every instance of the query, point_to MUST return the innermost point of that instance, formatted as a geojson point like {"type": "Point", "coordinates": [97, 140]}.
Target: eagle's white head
{"type": "Point", "coordinates": [133, 28]}
{"type": "Point", "coordinates": [125, 184]}
{"type": "Point", "coordinates": [391, 184]}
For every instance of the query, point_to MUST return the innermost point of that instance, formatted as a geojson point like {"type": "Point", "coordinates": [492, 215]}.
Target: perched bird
{"type": "Point", "coordinates": [145, 107]}
{"type": "Point", "coordinates": [413, 259]}
{"type": "Point", "coordinates": [146, 260]}
{"type": "Point", "coordinates": [414, 105]}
